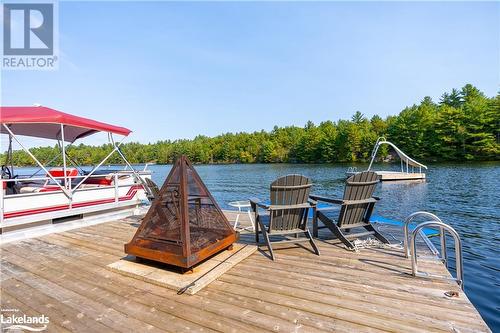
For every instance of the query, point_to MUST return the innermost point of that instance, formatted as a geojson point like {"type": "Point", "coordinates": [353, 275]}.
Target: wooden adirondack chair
{"type": "Point", "coordinates": [356, 208]}
{"type": "Point", "coordinates": [153, 188]}
{"type": "Point", "coordinates": [287, 214]}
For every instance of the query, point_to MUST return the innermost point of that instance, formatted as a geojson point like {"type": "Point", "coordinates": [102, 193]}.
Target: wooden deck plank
{"type": "Point", "coordinates": [8, 301]}
{"type": "Point", "coordinates": [71, 319]}
{"type": "Point", "coordinates": [232, 294]}
{"type": "Point", "coordinates": [267, 272]}
{"type": "Point", "coordinates": [126, 300]}
{"type": "Point", "coordinates": [128, 287]}
{"type": "Point", "coordinates": [315, 306]}
{"type": "Point", "coordinates": [108, 316]}
{"type": "Point", "coordinates": [288, 271]}
{"type": "Point", "coordinates": [251, 270]}
{"type": "Point", "coordinates": [239, 313]}
{"type": "Point", "coordinates": [389, 315]}
{"type": "Point", "coordinates": [77, 294]}
{"type": "Point", "coordinates": [359, 301]}
{"type": "Point", "coordinates": [367, 291]}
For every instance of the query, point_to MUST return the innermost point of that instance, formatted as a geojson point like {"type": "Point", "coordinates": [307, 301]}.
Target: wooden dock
{"type": "Point", "coordinates": [64, 277]}
{"type": "Point", "coordinates": [395, 175]}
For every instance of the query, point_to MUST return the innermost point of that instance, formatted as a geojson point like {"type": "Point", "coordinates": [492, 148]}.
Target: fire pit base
{"type": "Point", "coordinates": [170, 277]}
{"type": "Point", "coordinates": [175, 259]}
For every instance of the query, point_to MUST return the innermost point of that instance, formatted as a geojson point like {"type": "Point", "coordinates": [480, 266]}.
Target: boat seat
{"type": "Point", "coordinates": [105, 180]}
{"type": "Point", "coordinates": [59, 172]}
{"type": "Point", "coordinates": [84, 185]}
{"type": "Point", "coordinates": [38, 189]}
{"type": "Point", "coordinates": [108, 180]}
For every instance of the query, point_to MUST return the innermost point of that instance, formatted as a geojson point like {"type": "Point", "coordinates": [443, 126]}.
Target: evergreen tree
{"type": "Point", "coordinates": [465, 124]}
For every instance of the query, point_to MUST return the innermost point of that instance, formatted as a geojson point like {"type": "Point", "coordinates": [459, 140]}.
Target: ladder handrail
{"type": "Point", "coordinates": [458, 248]}
{"type": "Point", "coordinates": [406, 228]}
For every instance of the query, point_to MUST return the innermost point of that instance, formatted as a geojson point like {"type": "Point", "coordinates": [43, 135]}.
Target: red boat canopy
{"type": "Point", "coordinates": [42, 122]}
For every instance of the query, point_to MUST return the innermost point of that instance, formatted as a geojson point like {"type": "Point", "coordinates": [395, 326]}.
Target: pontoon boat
{"type": "Point", "coordinates": [55, 193]}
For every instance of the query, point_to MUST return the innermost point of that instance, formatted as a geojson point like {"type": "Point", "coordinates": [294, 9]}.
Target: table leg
{"type": "Point", "coordinates": [251, 219]}
{"type": "Point", "coordinates": [236, 221]}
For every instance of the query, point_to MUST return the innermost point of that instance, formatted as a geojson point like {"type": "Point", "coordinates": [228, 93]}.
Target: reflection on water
{"type": "Point", "coordinates": [466, 196]}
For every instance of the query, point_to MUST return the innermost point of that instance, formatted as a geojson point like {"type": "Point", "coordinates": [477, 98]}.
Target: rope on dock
{"type": "Point", "coordinates": [373, 243]}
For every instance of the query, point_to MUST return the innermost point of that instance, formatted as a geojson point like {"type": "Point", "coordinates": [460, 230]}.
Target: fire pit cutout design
{"type": "Point", "coordinates": [184, 225]}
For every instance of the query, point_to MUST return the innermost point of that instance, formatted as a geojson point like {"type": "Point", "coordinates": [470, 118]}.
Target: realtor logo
{"type": "Point", "coordinates": [13, 320]}
{"type": "Point", "coordinates": [29, 35]}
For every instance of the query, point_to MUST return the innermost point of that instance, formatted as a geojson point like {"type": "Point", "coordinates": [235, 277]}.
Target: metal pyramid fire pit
{"type": "Point", "coordinates": [184, 225]}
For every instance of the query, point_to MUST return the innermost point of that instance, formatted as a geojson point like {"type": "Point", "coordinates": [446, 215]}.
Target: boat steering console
{"type": "Point", "coordinates": [8, 174]}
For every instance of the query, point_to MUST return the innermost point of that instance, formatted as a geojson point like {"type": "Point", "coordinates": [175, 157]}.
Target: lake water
{"type": "Point", "coordinates": [465, 196]}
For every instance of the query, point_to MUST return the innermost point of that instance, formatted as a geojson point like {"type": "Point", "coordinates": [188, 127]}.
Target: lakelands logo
{"type": "Point", "coordinates": [15, 322]}
{"type": "Point", "coordinates": [29, 35]}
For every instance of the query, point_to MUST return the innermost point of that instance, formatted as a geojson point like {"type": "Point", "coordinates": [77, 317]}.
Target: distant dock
{"type": "Point", "coordinates": [395, 175]}
{"type": "Point", "coordinates": [64, 276]}
{"type": "Point", "coordinates": [413, 170]}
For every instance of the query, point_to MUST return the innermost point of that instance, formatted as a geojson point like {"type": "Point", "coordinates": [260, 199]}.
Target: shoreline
{"type": "Point", "coordinates": [347, 164]}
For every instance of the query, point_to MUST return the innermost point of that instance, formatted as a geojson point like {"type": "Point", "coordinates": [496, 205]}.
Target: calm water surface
{"type": "Point", "coordinates": [465, 196]}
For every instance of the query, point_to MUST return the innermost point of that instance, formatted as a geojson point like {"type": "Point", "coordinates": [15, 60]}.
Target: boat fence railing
{"type": "Point", "coordinates": [66, 185]}
{"type": "Point", "coordinates": [61, 178]}
{"type": "Point", "coordinates": [410, 244]}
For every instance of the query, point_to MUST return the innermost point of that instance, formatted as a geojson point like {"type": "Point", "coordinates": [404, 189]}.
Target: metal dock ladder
{"type": "Point", "coordinates": [410, 245]}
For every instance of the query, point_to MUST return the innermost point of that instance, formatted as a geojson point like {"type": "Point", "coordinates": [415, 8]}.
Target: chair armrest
{"type": "Point", "coordinates": [357, 202]}
{"type": "Point", "coordinates": [376, 198]}
{"type": "Point", "coordinates": [255, 202]}
{"type": "Point", "coordinates": [325, 199]}
{"type": "Point", "coordinates": [283, 207]}
{"type": "Point", "coordinates": [312, 202]}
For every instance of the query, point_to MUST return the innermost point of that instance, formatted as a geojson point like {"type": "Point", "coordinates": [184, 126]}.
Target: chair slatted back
{"type": "Point", "coordinates": [155, 191]}
{"type": "Point", "coordinates": [289, 190]}
{"type": "Point", "coordinates": [358, 187]}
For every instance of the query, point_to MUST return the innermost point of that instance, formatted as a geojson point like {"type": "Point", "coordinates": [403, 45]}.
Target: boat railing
{"type": "Point", "coordinates": [66, 185]}
{"type": "Point", "coordinates": [114, 176]}
{"type": "Point", "coordinates": [410, 244]}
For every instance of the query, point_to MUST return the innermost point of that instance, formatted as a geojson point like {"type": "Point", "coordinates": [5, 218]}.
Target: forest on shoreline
{"type": "Point", "coordinates": [464, 125]}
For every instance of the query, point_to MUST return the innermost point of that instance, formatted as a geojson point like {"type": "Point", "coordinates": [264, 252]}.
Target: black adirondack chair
{"type": "Point", "coordinates": [287, 214]}
{"type": "Point", "coordinates": [356, 208]}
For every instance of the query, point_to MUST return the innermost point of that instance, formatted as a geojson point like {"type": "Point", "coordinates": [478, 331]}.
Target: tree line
{"type": "Point", "coordinates": [463, 125]}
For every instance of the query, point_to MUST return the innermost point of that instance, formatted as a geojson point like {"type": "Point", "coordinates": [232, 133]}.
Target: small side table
{"type": "Point", "coordinates": [240, 205]}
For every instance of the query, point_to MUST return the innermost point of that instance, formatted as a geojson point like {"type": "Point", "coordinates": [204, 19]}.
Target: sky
{"type": "Point", "coordinates": [171, 70]}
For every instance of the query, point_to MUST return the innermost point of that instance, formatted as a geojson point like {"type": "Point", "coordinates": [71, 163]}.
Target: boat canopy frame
{"type": "Point", "coordinates": [85, 126]}
{"type": "Point", "coordinates": [405, 159]}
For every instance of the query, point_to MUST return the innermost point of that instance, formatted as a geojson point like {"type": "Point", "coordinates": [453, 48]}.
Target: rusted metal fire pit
{"type": "Point", "coordinates": [184, 225]}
